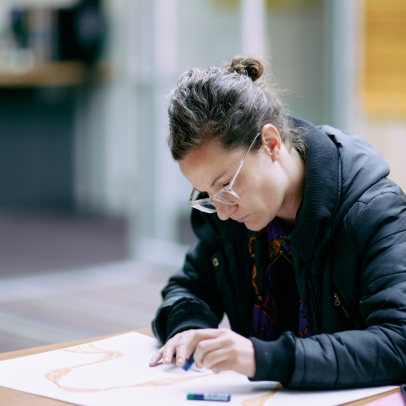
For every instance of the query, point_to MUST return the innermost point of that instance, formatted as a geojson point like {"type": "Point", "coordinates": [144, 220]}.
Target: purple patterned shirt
{"type": "Point", "coordinates": [271, 318]}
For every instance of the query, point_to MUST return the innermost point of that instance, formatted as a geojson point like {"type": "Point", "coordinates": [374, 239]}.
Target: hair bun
{"type": "Point", "coordinates": [253, 67]}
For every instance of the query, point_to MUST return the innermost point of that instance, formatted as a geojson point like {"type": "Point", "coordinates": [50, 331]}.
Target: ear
{"type": "Point", "coordinates": [271, 141]}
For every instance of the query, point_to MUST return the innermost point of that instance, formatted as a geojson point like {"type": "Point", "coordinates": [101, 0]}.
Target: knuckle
{"type": "Point", "coordinates": [202, 332]}
{"type": "Point", "coordinates": [200, 346]}
{"type": "Point", "coordinates": [191, 332]}
{"type": "Point", "coordinates": [228, 341]}
{"type": "Point", "coordinates": [180, 343]}
{"type": "Point", "coordinates": [186, 336]}
{"type": "Point", "coordinates": [208, 360]}
{"type": "Point", "coordinates": [167, 350]}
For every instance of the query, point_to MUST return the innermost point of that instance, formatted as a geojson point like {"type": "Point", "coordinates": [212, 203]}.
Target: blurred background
{"type": "Point", "coordinates": [93, 213]}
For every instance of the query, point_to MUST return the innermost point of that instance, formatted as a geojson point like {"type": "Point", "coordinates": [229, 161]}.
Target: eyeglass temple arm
{"type": "Point", "coordinates": [191, 196]}
{"type": "Point", "coordinates": [241, 163]}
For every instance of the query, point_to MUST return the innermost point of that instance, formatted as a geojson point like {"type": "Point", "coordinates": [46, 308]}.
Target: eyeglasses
{"type": "Point", "coordinates": [224, 196]}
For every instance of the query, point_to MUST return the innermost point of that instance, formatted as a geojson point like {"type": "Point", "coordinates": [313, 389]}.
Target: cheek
{"type": "Point", "coordinates": [248, 193]}
{"type": "Point", "coordinates": [274, 183]}
{"type": "Point", "coordinates": [260, 188]}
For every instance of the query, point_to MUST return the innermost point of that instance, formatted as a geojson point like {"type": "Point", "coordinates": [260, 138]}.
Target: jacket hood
{"type": "Point", "coordinates": [340, 167]}
{"type": "Point", "coordinates": [362, 165]}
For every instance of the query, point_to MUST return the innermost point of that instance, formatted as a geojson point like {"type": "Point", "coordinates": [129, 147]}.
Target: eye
{"type": "Point", "coordinates": [226, 184]}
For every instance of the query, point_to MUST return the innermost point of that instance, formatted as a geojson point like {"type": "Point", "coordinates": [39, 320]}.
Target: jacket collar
{"type": "Point", "coordinates": [322, 190]}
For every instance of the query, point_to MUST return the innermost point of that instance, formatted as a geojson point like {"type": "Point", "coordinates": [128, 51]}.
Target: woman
{"type": "Point", "coordinates": [307, 252]}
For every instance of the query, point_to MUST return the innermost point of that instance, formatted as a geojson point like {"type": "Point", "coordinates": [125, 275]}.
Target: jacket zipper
{"type": "Point", "coordinates": [270, 295]}
{"type": "Point", "coordinates": [337, 303]}
{"type": "Point", "coordinates": [281, 253]}
{"type": "Point", "coordinates": [286, 257]}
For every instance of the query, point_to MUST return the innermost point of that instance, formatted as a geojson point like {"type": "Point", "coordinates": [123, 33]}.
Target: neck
{"type": "Point", "coordinates": [296, 173]}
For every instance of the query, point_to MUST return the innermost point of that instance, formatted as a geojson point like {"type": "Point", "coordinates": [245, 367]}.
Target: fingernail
{"type": "Point", "coordinates": [166, 359]}
{"type": "Point", "coordinates": [179, 361]}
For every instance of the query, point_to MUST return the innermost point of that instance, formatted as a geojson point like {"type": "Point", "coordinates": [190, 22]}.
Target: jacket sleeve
{"type": "Point", "coordinates": [376, 355]}
{"type": "Point", "coordinates": [191, 298]}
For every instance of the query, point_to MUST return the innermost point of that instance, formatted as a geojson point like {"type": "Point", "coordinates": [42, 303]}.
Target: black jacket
{"type": "Point", "coordinates": [349, 250]}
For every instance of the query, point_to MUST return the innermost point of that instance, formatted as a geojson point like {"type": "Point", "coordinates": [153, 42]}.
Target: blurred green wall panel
{"type": "Point", "coordinates": [36, 146]}
{"type": "Point", "coordinates": [209, 33]}
{"type": "Point", "coordinates": [297, 49]}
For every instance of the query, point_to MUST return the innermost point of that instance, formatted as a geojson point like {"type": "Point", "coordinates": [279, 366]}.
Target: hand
{"type": "Point", "coordinates": [216, 349]}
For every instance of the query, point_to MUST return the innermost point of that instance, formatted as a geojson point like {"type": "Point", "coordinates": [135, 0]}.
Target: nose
{"type": "Point", "coordinates": [224, 211]}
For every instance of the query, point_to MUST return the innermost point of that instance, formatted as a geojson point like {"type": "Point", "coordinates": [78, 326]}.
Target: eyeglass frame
{"type": "Point", "coordinates": [227, 188]}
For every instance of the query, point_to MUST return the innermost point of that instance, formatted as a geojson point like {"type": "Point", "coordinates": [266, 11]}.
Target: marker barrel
{"type": "Point", "coordinates": [217, 397]}
{"type": "Point", "coordinates": [188, 363]}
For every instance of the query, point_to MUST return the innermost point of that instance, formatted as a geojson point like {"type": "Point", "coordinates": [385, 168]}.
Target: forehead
{"type": "Point", "coordinates": [206, 163]}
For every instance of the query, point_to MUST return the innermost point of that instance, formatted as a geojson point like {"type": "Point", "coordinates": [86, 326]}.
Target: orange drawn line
{"type": "Point", "coordinates": [56, 375]}
{"type": "Point", "coordinates": [260, 400]}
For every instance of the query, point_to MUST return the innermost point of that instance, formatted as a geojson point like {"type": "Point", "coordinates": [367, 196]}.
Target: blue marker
{"type": "Point", "coordinates": [216, 397]}
{"type": "Point", "coordinates": [188, 363]}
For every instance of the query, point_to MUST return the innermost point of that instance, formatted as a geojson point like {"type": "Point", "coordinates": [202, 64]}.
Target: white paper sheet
{"type": "Point", "coordinates": [115, 371]}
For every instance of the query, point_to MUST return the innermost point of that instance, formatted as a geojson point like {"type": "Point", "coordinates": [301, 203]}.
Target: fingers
{"type": "Point", "coordinates": [172, 347]}
{"type": "Point", "coordinates": [221, 366]}
{"type": "Point", "coordinates": [202, 342]}
{"type": "Point", "coordinates": [179, 348]}
{"type": "Point", "coordinates": [203, 348]}
{"type": "Point", "coordinates": [214, 359]}
{"type": "Point", "coordinates": [166, 353]}
{"type": "Point", "coordinates": [227, 351]}
{"type": "Point", "coordinates": [212, 351]}
{"type": "Point", "coordinates": [156, 358]}
{"type": "Point", "coordinates": [187, 341]}
{"type": "Point", "coordinates": [182, 344]}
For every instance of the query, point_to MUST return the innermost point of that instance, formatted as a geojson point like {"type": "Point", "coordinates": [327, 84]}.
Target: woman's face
{"type": "Point", "coordinates": [262, 183]}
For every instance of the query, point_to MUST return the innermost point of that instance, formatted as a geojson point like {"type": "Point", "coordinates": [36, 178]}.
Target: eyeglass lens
{"type": "Point", "coordinates": [204, 206]}
{"type": "Point", "coordinates": [226, 197]}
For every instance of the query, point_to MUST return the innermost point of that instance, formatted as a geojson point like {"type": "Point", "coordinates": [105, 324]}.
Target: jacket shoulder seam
{"type": "Point", "coordinates": [387, 275]}
{"type": "Point", "coordinates": [381, 193]}
{"type": "Point", "coordinates": [364, 209]}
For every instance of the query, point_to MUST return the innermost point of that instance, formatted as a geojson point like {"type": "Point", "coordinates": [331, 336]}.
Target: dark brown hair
{"type": "Point", "coordinates": [230, 105]}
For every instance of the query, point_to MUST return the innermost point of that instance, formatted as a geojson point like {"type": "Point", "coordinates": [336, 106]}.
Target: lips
{"type": "Point", "coordinates": [243, 218]}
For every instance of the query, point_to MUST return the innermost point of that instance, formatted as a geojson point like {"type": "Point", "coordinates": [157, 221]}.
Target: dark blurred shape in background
{"type": "Point", "coordinates": [80, 33]}
{"type": "Point", "coordinates": [73, 33]}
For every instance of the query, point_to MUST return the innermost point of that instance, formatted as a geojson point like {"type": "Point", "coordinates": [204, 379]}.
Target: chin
{"type": "Point", "coordinates": [253, 226]}
{"type": "Point", "coordinates": [256, 226]}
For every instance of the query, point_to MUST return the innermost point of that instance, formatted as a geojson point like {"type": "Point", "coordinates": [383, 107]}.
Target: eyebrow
{"type": "Point", "coordinates": [215, 180]}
